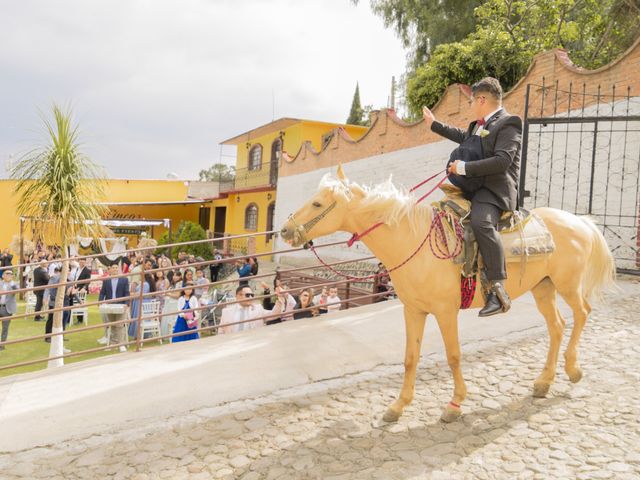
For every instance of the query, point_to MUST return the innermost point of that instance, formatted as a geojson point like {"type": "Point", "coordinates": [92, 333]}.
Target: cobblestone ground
{"type": "Point", "coordinates": [331, 430]}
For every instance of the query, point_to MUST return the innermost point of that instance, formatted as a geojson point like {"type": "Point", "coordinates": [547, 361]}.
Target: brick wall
{"type": "Point", "coordinates": [388, 133]}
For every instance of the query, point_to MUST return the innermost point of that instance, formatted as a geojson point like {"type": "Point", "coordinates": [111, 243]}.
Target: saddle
{"type": "Point", "coordinates": [525, 236]}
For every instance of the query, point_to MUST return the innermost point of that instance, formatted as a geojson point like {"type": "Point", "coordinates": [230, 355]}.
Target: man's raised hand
{"type": "Point", "coordinates": [428, 116]}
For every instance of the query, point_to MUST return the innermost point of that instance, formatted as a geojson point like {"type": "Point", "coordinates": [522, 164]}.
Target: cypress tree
{"type": "Point", "coordinates": [356, 115]}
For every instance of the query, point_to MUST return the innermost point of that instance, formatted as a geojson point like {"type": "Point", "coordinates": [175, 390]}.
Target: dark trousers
{"type": "Point", "coordinates": [39, 295]}
{"type": "Point", "coordinates": [6, 321]}
{"type": "Point", "coordinates": [214, 270]}
{"type": "Point", "coordinates": [66, 316]}
{"type": "Point", "coordinates": [484, 222]}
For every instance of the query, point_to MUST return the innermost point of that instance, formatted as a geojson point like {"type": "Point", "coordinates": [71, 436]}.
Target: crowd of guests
{"type": "Point", "coordinates": [279, 305]}
{"type": "Point", "coordinates": [188, 285]}
{"type": "Point", "coordinates": [179, 279]}
{"type": "Point", "coordinates": [176, 279]}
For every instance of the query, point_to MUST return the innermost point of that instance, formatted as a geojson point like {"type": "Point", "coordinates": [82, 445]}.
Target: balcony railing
{"type": "Point", "coordinates": [245, 179]}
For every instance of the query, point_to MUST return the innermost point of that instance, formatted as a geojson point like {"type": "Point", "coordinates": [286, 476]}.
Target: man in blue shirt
{"type": "Point", "coordinates": [114, 288]}
{"type": "Point", "coordinates": [244, 271]}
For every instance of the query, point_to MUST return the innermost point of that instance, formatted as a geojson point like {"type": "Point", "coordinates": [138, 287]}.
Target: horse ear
{"type": "Point", "coordinates": [357, 190]}
{"type": "Point", "coordinates": [341, 176]}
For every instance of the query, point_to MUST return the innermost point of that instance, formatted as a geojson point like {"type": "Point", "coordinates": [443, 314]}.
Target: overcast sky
{"type": "Point", "coordinates": [157, 85]}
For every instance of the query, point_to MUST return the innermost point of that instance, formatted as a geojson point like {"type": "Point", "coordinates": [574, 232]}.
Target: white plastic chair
{"type": "Point", "coordinates": [168, 321]}
{"type": "Point", "coordinates": [30, 304]}
{"type": "Point", "coordinates": [81, 311]}
{"type": "Point", "coordinates": [151, 325]}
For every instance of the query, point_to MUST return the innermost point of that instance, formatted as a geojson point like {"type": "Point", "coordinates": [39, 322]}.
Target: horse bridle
{"type": "Point", "coordinates": [301, 231]}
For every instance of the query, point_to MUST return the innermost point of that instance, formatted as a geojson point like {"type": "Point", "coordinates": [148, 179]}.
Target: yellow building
{"type": "Point", "coordinates": [247, 204]}
{"type": "Point", "coordinates": [168, 201]}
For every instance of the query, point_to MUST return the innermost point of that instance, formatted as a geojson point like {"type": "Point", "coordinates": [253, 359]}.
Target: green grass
{"type": "Point", "coordinates": [27, 327]}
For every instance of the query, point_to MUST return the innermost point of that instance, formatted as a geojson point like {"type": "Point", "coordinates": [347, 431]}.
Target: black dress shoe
{"type": "Point", "coordinates": [492, 307]}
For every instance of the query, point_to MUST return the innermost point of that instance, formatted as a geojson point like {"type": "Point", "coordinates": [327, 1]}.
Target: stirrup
{"type": "Point", "coordinates": [501, 294]}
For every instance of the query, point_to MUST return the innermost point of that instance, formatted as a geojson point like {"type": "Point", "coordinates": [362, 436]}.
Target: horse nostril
{"type": "Point", "coordinates": [283, 231]}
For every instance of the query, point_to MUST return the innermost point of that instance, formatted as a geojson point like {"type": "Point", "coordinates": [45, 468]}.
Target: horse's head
{"type": "Point", "coordinates": [323, 214]}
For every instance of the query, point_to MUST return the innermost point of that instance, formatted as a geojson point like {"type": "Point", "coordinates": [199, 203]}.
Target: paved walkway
{"type": "Point", "coordinates": [331, 429]}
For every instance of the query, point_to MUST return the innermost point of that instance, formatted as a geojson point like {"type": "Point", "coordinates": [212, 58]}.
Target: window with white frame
{"type": "Point", "coordinates": [251, 217]}
{"type": "Point", "coordinates": [255, 157]}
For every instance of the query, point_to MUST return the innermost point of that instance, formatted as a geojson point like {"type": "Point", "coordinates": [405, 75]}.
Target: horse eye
{"type": "Point", "coordinates": [316, 204]}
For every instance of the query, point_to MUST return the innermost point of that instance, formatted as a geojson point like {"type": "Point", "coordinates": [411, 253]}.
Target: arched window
{"type": "Point", "coordinates": [276, 149]}
{"type": "Point", "coordinates": [255, 157]}
{"type": "Point", "coordinates": [251, 217]}
{"type": "Point", "coordinates": [271, 211]}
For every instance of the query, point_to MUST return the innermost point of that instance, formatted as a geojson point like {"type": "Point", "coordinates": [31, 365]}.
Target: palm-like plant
{"type": "Point", "coordinates": [60, 187]}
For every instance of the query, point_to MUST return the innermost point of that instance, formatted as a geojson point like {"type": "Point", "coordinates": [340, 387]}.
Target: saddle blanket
{"type": "Point", "coordinates": [529, 237]}
{"type": "Point", "coordinates": [525, 236]}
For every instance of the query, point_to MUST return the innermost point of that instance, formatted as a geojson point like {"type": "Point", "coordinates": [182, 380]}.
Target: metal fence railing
{"type": "Point", "coordinates": [353, 296]}
{"type": "Point", "coordinates": [246, 178]}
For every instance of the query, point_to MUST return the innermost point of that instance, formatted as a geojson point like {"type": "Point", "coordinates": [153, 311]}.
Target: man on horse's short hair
{"type": "Point", "coordinates": [486, 167]}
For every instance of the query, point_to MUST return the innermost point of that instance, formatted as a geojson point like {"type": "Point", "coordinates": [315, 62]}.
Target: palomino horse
{"type": "Point", "coordinates": [580, 267]}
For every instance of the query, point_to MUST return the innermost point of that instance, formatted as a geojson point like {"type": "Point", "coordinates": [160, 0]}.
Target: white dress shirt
{"type": "Point", "coordinates": [333, 304]}
{"type": "Point", "coordinates": [239, 313]}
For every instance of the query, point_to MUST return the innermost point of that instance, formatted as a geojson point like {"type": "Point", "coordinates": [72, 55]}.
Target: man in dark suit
{"type": "Point", "coordinates": [113, 288]}
{"type": "Point", "coordinates": [493, 175]}
{"type": "Point", "coordinates": [5, 260]}
{"type": "Point", "coordinates": [84, 273]}
{"type": "Point", "coordinates": [40, 278]}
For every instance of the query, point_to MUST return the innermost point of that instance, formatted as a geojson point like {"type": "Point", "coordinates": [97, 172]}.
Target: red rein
{"type": "Point", "coordinates": [436, 236]}
{"type": "Point", "coordinates": [358, 236]}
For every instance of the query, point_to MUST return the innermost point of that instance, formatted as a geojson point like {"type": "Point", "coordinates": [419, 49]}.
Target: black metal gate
{"type": "Point", "coordinates": [581, 153]}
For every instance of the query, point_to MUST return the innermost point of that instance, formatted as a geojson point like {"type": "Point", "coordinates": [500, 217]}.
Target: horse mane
{"type": "Point", "coordinates": [384, 201]}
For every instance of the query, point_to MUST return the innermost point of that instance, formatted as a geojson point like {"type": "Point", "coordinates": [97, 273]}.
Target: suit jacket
{"type": "Point", "coordinates": [500, 166]}
{"type": "Point", "coordinates": [122, 290]}
{"type": "Point", "coordinates": [10, 298]}
{"type": "Point", "coordinates": [40, 277]}
{"type": "Point", "coordinates": [85, 274]}
{"type": "Point", "coordinates": [5, 260]}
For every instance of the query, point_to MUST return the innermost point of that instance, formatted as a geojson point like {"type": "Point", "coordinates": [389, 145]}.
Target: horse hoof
{"type": "Point", "coordinates": [391, 416]}
{"type": "Point", "coordinates": [450, 414]}
{"type": "Point", "coordinates": [540, 390]}
{"type": "Point", "coordinates": [575, 376]}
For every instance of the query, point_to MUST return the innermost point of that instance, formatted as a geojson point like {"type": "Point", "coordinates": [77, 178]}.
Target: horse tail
{"type": "Point", "coordinates": [601, 268]}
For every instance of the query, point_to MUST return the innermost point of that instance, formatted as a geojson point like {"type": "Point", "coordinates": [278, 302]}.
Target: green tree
{"type": "Point", "coordinates": [511, 32]}
{"type": "Point", "coordinates": [422, 25]}
{"type": "Point", "coordinates": [218, 172]}
{"type": "Point", "coordinates": [356, 115]}
{"type": "Point", "coordinates": [189, 232]}
{"type": "Point", "coordinates": [60, 186]}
